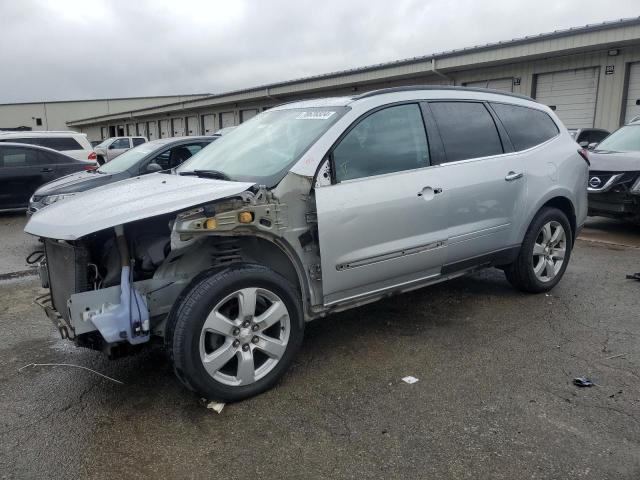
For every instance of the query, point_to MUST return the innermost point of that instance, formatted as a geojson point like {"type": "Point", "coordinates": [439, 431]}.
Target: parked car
{"type": "Point", "coordinates": [73, 144]}
{"type": "Point", "coordinates": [95, 143]}
{"type": "Point", "coordinates": [310, 208]}
{"type": "Point", "coordinates": [114, 146]}
{"type": "Point", "coordinates": [588, 136]}
{"type": "Point", "coordinates": [614, 175]}
{"type": "Point", "coordinates": [149, 157]}
{"type": "Point", "coordinates": [23, 168]}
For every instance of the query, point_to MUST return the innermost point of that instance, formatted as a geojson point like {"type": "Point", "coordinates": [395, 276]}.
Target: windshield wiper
{"type": "Point", "coordinates": [208, 174]}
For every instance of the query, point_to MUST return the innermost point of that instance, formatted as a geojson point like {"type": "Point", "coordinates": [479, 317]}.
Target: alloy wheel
{"type": "Point", "coordinates": [244, 336]}
{"type": "Point", "coordinates": [549, 251]}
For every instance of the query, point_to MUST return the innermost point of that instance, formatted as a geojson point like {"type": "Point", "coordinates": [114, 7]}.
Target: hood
{"type": "Point", "coordinates": [127, 201]}
{"type": "Point", "coordinates": [77, 182]}
{"type": "Point", "coordinates": [607, 161]}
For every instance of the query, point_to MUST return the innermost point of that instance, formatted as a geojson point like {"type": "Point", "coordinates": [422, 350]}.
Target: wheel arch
{"type": "Point", "coordinates": [556, 199]}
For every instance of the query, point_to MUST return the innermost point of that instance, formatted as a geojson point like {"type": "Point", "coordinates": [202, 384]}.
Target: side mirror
{"type": "Point", "coordinates": [583, 144]}
{"type": "Point", "coordinates": [592, 145]}
{"type": "Point", "coordinates": [153, 167]}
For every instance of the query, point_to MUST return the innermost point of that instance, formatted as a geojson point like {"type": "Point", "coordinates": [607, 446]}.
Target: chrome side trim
{"type": "Point", "coordinates": [390, 256]}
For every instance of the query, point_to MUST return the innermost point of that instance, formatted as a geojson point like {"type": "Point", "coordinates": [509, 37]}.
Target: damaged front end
{"type": "Point", "coordinates": [615, 195]}
{"type": "Point", "coordinates": [111, 289]}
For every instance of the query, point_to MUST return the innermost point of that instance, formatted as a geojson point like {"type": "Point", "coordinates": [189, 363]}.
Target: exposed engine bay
{"type": "Point", "coordinates": [112, 290]}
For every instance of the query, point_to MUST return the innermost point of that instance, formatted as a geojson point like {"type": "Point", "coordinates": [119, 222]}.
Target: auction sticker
{"type": "Point", "coordinates": [314, 115]}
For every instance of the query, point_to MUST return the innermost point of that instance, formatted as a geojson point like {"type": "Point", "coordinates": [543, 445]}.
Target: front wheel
{"type": "Point", "coordinates": [544, 254]}
{"type": "Point", "coordinates": [235, 332]}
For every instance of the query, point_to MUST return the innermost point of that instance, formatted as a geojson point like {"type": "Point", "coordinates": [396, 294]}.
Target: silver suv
{"type": "Point", "coordinates": [311, 208]}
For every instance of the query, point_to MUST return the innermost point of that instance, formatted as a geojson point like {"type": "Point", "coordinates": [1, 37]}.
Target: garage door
{"type": "Point", "coordinates": [632, 108]}
{"type": "Point", "coordinates": [165, 129]}
{"type": "Point", "coordinates": [571, 93]}
{"type": "Point", "coordinates": [208, 124]}
{"type": "Point", "coordinates": [247, 114]}
{"type": "Point", "coordinates": [227, 119]}
{"type": "Point", "coordinates": [178, 127]}
{"type": "Point", "coordinates": [192, 126]}
{"type": "Point", "coordinates": [152, 129]}
{"type": "Point", "coordinates": [504, 84]}
{"type": "Point", "coordinates": [131, 129]}
{"type": "Point", "coordinates": [142, 129]}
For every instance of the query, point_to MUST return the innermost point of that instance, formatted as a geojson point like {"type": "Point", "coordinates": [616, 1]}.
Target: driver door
{"type": "Point", "coordinates": [382, 222]}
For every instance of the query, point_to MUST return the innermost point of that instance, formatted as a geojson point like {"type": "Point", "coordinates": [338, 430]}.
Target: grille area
{"type": "Point", "coordinates": [67, 266]}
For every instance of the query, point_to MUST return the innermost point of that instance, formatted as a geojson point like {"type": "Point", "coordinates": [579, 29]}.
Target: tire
{"type": "Point", "coordinates": [541, 271]}
{"type": "Point", "coordinates": [223, 353]}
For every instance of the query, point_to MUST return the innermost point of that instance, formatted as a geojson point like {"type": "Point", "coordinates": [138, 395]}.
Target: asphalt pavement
{"type": "Point", "coordinates": [494, 396]}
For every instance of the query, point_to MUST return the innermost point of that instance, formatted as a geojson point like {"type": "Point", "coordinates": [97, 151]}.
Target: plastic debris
{"type": "Point", "coordinates": [70, 365]}
{"type": "Point", "coordinates": [215, 406]}
{"type": "Point", "coordinates": [409, 379]}
{"type": "Point", "coordinates": [634, 276]}
{"type": "Point", "coordinates": [582, 382]}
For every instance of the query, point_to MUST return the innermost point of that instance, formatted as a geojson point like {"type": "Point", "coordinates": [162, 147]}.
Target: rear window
{"type": "Point", "coordinates": [467, 130]}
{"type": "Point", "coordinates": [138, 141]}
{"type": "Point", "coordinates": [525, 126]}
{"type": "Point", "coordinates": [56, 143]}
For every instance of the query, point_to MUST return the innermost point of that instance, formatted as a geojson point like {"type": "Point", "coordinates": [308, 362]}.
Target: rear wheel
{"type": "Point", "coordinates": [235, 332]}
{"type": "Point", "coordinates": [544, 254]}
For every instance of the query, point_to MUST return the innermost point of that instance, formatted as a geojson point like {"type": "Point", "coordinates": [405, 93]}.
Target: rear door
{"type": "Point", "coordinates": [486, 184]}
{"type": "Point", "coordinates": [382, 222]}
{"type": "Point", "coordinates": [117, 147]}
{"type": "Point", "coordinates": [22, 171]}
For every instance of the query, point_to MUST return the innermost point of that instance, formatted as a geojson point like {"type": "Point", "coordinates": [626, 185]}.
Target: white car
{"type": "Point", "coordinates": [71, 143]}
{"type": "Point", "coordinates": [111, 147]}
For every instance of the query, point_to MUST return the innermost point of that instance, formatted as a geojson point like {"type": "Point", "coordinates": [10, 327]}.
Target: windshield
{"type": "Point", "coordinates": [625, 139]}
{"type": "Point", "coordinates": [262, 149]}
{"type": "Point", "coordinates": [104, 143]}
{"type": "Point", "coordinates": [128, 159]}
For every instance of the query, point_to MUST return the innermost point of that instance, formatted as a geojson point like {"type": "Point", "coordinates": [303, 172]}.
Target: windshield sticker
{"type": "Point", "coordinates": [314, 115]}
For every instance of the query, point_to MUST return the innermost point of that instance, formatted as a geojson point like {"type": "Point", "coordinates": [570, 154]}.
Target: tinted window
{"type": "Point", "coordinates": [60, 143]}
{"type": "Point", "coordinates": [120, 143]}
{"type": "Point", "coordinates": [390, 140]}
{"type": "Point", "coordinates": [526, 127]}
{"type": "Point", "coordinates": [138, 141]}
{"type": "Point", "coordinates": [163, 160]}
{"type": "Point", "coordinates": [467, 130]}
{"type": "Point", "coordinates": [598, 136]}
{"type": "Point", "coordinates": [18, 157]}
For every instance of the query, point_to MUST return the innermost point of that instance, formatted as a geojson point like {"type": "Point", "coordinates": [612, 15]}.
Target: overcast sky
{"type": "Point", "coordinates": [77, 49]}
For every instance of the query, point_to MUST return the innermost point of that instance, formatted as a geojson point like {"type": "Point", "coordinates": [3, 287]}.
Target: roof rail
{"type": "Point", "coordinates": [408, 88]}
{"type": "Point", "coordinates": [35, 132]}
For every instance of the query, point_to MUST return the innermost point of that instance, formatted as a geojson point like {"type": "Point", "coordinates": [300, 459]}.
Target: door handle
{"type": "Point", "coordinates": [46, 170]}
{"type": "Point", "coordinates": [511, 176]}
{"type": "Point", "coordinates": [429, 191]}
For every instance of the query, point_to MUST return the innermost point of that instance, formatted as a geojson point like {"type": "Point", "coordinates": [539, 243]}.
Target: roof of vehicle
{"type": "Point", "coordinates": [344, 101]}
{"type": "Point", "coordinates": [35, 147]}
{"type": "Point", "coordinates": [40, 133]}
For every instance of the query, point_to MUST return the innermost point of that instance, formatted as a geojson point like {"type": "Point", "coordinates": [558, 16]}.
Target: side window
{"type": "Point", "coordinates": [18, 157]}
{"type": "Point", "coordinates": [138, 141]}
{"type": "Point", "coordinates": [194, 148]}
{"type": "Point", "coordinates": [180, 153]}
{"type": "Point", "coordinates": [48, 158]}
{"type": "Point", "coordinates": [389, 140]}
{"type": "Point", "coordinates": [60, 143]}
{"type": "Point", "coordinates": [120, 143]}
{"type": "Point", "coordinates": [163, 159]}
{"type": "Point", "coordinates": [467, 130]}
{"type": "Point", "coordinates": [525, 126]}
{"type": "Point", "coordinates": [598, 136]}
